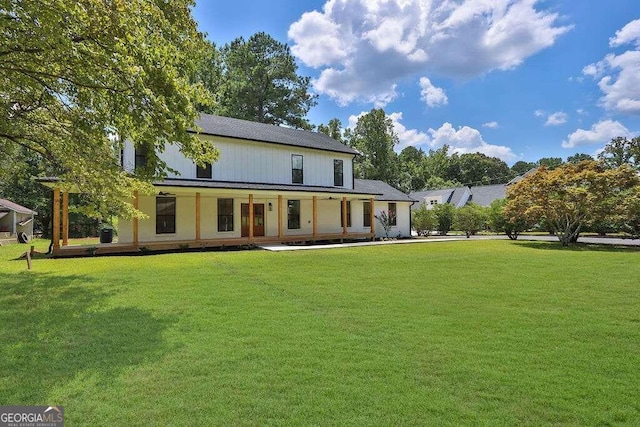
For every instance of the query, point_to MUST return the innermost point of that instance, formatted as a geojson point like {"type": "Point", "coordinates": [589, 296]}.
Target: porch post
{"type": "Point", "coordinates": [372, 218]}
{"type": "Point", "coordinates": [280, 216]}
{"type": "Point", "coordinates": [55, 233]}
{"type": "Point", "coordinates": [344, 215]}
{"type": "Point", "coordinates": [315, 216]}
{"type": "Point", "coordinates": [250, 217]}
{"type": "Point", "coordinates": [197, 217]}
{"type": "Point", "coordinates": [65, 218]}
{"type": "Point", "coordinates": [135, 220]}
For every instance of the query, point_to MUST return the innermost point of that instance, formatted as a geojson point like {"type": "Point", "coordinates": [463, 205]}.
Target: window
{"type": "Point", "coordinates": [366, 214]}
{"type": "Point", "coordinates": [433, 202]}
{"type": "Point", "coordinates": [165, 215]}
{"type": "Point", "coordinates": [141, 158]}
{"type": "Point", "coordinates": [348, 215]}
{"type": "Point", "coordinates": [293, 214]}
{"type": "Point", "coordinates": [203, 172]}
{"type": "Point", "coordinates": [338, 176]}
{"type": "Point", "coordinates": [297, 175]}
{"type": "Point", "coordinates": [392, 214]}
{"type": "Point", "coordinates": [225, 214]}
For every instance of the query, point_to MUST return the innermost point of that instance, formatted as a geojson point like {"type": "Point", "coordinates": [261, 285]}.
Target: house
{"type": "Point", "coordinates": [270, 184]}
{"type": "Point", "coordinates": [15, 219]}
{"type": "Point", "coordinates": [481, 195]}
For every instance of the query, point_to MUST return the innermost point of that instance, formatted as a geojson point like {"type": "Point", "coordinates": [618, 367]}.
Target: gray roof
{"type": "Point", "coordinates": [189, 183]}
{"type": "Point", "coordinates": [458, 194]}
{"type": "Point", "coordinates": [520, 177]}
{"type": "Point", "coordinates": [210, 124]}
{"type": "Point", "coordinates": [483, 195]}
{"type": "Point", "coordinates": [385, 192]}
{"type": "Point", "coordinates": [7, 204]}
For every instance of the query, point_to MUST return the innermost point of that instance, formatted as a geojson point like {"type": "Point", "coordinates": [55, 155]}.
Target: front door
{"type": "Point", "coordinates": [258, 219]}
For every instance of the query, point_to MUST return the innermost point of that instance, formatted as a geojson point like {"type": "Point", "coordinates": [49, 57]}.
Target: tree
{"type": "Point", "coordinates": [569, 197]}
{"type": "Point", "coordinates": [260, 83]}
{"type": "Point", "coordinates": [579, 157]}
{"type": "Point", "coordinates": [386, 219]}
{"type": "Point", "coordinates": [333, 129]}
{"type": "Point", "coordinates": [424, 220]}
{"type": "Point", "coordinates": [411, 165]}
{"type": "Point", "coordinates": [79, 78]}
{"type": "Point", "coordinates": [498, 222]}
{"type": "Point", "coordinates": [480, 169]}
{"type": "Point", "coordinates": [620, 151]}
{"type": "Point", "coordinates": [375, 138]}
{"type": "Point", "coordinates": [445, 214]}
{"type": "Point", "coordinates": [550, 162]}
{"type": "Point", "coordinates": [470, 218]}
{"type": "Point", "coordinates": [521, 167]}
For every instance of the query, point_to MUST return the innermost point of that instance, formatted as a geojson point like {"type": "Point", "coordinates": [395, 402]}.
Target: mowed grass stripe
{"type": "Point", "coordinates": [488, 332]}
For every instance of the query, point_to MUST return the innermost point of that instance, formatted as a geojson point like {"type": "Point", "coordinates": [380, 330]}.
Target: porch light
{"type": "Point", "coordinates": [270, 207]}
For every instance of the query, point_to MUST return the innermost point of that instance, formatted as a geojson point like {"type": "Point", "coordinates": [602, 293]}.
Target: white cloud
{"type": "Point", "coordinates": [364, 47]}
{"type": "Point", "coordinates": [468, 140]}
{"type": "Point", "coordinates": [539, 113]}
{"type": "Point", "coordinates": [407, 137]}
{"type": "Point", "coordinates": [600, 133]}
{"type": "Point", "coordinates": [556, 119]}
{"type": "Point", "coordinates": [620, 74]}
{"type": "Point", "coordinates": [490, 125]}
{"type": "Point", "coordinates": [432, 95]}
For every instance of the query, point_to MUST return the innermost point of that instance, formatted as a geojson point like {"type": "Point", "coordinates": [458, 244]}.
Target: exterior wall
{"type": "Point", "coordinates": [7, 223]}
{"type": "Point", "coordinates": [256, 162]}
{"type": "Point", "coordinates": [27, 228]}
{"type": "Point", "coordinates": [431, 201]}
{"type": "Point", "coordinates": [328, 215]}
{"type": "Point", "coordinates": [403, 219]}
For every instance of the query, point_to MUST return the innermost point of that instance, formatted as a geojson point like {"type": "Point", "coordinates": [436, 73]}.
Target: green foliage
{"type": "Point", "coordinates": [333, 129]}
{"type": "Point", "coordinates": [424, 220]}
{"type": "Point", "coordinates": [550, 162]}
{"type": "Point", "coordinates": [470, 219]}
{"type": "Point", "coordinates": [478, 169]}
{"type": "Point", "coordinates": [498, 221]}
{"type": "Point", "coordinates": [445, 214]}
{"type": "Point", "coordinates": [621, 151]}
{"type": "Point", "coordinates": [579, 157]}
{"type": "Point", "coordinates": [521, 167]}
{"type": "Point", "coordinates": [375, 138]}
{"type": "Point", "coordinates": [78, 78]}
{"type": "Point", "coordinates": [259, 82]}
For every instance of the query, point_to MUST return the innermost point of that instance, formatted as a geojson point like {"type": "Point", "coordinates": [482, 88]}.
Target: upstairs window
{"type": "Point", "coordinates": [203, 172]}
{"type": "Point", "coordinates": [338, 175]}
{"type": "Point", "coordinates": [297, 175]}
{"type": "Point", "coordinates": [392, 214]}
{"type": "Point", "coordinates": [348, 215]}
{"type": "Point", "coordinates": [142, 157]}
{"type": "Point", "coordinates": [165, 215]}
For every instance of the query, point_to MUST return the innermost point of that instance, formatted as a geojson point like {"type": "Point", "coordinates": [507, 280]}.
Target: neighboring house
{"type": "Point", "coordinates": [481, 195]}
{"type": "Point", "coordinates": [270, 184]}
{"type": "Point", "coordinates": [15, 219]}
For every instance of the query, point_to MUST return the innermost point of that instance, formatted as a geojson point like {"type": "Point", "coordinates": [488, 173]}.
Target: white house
{"type": "Point", "coordinates": [270, 184]}
{"type": "Point", "coordinates": [15, 219]}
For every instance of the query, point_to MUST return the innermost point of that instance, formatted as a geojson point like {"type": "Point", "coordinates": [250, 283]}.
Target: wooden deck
{"type": "Point", "coordinates": [176, 245]}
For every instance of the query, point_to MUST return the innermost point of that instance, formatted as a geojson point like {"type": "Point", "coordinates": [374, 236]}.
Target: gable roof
{"type": "Point", "coordinates": [385, 192]}
{"type": "Point", "coordinates": [210, 124]}
{"type": "Point", "coordinates": [7, 204]}
{"type": "Point", "coordinates": [483, 195]}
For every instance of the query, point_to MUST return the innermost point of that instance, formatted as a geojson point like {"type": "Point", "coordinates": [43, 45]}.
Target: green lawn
{"type": "Point", "coordinates": [447, 333]}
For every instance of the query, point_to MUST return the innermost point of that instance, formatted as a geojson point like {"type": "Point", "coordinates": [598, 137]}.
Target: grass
{"type": "Point", "coordinates": [447, 333]}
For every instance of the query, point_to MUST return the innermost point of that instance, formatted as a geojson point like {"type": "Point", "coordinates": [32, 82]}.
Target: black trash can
{"type": "Point", "coordinates": [106, 235]}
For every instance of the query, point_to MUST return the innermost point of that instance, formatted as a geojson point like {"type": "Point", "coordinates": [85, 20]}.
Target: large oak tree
{"type": "Point", "coordinates": [78, 78]}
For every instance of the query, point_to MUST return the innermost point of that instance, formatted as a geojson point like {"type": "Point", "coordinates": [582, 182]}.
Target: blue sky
{"type": "Point", "coordinates": [515, 79]}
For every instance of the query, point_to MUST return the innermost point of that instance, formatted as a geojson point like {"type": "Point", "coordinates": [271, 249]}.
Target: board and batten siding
{"type": "Point", "coordinates": [256, 162]}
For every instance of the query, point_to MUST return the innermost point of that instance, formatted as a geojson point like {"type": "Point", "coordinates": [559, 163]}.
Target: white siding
{"type": "Point", "coordinates": [257, 162]}
{"type": "Point", "coordinates": [403, 219]}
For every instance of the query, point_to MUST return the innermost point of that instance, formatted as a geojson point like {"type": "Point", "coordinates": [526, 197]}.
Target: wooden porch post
{"type": "Point", "coordinates": [135, 220]}
{"type": "Point", "coordinates": [56, 219]}
{"type": "Point", "coordinates": [250, 217]}
{"type": "Point", "coordinates": [344, 215]}
{"type": "Point", "coordinates": [280, 216]}
{"type": "Point", "coordinates": [315, 216]}
{"type": "Point", "coordinates": [197, 217]}
{"type": "Point", "coordinates": [372, 218]}
{"type": "Point", "coordinates": [65, 218]}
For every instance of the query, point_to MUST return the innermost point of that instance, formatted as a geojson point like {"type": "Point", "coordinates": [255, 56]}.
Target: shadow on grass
{"type": "Point", "coordinates": [54, 328]}
{"type": "Point", "coordinates": [574, 247]}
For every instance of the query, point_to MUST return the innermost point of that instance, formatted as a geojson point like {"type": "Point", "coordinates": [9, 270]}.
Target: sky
{"type": "Point", "coordinates": [514, 79]}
